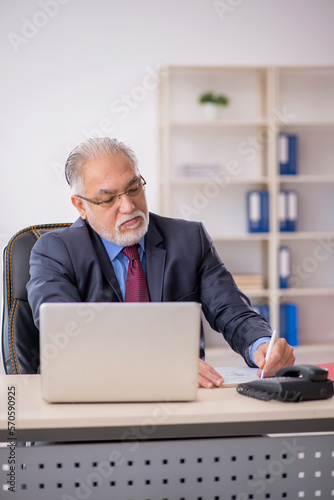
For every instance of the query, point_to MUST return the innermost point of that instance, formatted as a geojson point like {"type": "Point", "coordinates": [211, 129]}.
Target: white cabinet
{"type": "Point", "coordinates": [207, 168]}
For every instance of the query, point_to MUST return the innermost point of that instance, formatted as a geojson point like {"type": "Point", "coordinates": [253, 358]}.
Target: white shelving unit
{"type": "Point", "coordinates": [242, 143]}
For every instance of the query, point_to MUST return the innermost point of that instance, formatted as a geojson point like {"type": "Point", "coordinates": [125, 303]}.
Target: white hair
{"type": "Point", "coordinates": [91, 149]}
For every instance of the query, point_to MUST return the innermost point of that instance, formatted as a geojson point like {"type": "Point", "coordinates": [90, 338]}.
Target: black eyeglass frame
{"type": "Point", "coordinates": [141, 180]}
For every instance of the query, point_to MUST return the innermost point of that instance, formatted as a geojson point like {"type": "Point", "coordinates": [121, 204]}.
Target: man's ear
{"type": "Point", "coordinates": [80, 206]}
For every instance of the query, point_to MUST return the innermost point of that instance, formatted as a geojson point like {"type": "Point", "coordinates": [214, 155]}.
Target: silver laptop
{"type": "Point", "coordinates": [106, 352]}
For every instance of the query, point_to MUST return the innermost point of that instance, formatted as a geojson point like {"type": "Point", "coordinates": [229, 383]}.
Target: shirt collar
{"type": "Point", "coordinates": [113, 250]}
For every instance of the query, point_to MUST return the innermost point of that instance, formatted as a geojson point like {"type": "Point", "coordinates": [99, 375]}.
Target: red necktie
{"type": "Point", "coordinates": [135, 286]}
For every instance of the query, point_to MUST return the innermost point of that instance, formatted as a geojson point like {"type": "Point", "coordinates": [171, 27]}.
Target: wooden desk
{"type": "Point", "coordinates": [215, 412]}
{"type": "Point", "coordinates": [207, 449]}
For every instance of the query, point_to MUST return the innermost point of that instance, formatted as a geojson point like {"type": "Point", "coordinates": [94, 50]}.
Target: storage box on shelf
{"type": "Point", "coordinates": [209, 167]}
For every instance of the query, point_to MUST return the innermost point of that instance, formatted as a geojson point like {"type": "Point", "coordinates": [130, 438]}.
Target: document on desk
{"type": "Point", "coordinates": [234, 375]}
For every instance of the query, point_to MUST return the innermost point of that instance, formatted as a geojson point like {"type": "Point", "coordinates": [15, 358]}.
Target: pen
{"type": "Point", "coordinates": [270, 348]}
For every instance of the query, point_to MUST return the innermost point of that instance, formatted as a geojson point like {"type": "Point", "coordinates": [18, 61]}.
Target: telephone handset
{"type": "Point", "coordinates": [312, 373]}
{"type": "Point", "coordinates": [291, 384]}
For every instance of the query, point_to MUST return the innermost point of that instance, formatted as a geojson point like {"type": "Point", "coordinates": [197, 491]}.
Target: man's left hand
{"type": "Point", "coordinates": [207, 376]}
{"type": "Point", "coordinates": [281, 355]}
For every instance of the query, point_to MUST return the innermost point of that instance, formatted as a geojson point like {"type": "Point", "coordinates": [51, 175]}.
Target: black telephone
{"type": "Point", "coordinates": [291, 384]}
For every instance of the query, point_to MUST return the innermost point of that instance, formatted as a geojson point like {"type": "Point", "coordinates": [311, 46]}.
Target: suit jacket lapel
{"type": "Point", "coordinates": [155, 262]}
{"type": "Point", "coordinates": [106, 265]}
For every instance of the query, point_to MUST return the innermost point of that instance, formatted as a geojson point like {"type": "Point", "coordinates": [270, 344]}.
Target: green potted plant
{"type": "Point", "coordinates": [211, 104]}
{"type": "Point", "coordinates": [221, 100]}
{"type": "Point", "coordinates": [206, 97]}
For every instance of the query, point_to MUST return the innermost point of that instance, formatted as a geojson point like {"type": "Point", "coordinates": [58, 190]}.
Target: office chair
{"type": "Point", "coordinates": [20, 337]}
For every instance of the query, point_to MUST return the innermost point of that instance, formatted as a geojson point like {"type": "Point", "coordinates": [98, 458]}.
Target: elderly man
{"type": "Point", "coordinates": [174, 259]}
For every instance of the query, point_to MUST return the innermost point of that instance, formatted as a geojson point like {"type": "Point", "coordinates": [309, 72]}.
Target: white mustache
{"type": "Point", "coordinates": [127, 217]}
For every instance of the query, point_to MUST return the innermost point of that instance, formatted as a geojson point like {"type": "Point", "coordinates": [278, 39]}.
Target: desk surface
{"type": "Point", "coordinates": [215, 412]}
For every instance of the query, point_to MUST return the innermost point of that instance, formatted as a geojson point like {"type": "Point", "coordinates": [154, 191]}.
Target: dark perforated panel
{"type": "Point", "coordinates": [207, 469]}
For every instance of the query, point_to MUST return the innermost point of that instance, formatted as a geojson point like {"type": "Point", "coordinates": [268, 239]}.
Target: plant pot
{"type": "Point", "coordinates": [210, 111]}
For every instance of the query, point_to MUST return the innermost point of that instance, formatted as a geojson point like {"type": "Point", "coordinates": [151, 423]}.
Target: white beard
{"type": "Point", "coordinates": [133, 236]}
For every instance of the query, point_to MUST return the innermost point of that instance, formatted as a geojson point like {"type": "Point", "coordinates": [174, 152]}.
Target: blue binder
{"type": "Point", "coordinates": [258, 211]}
{"type": "Point", "coordinates": [254, 211]}
{"type": "Point", "coordinates": [292, 210]}
{"type": "Point", "coordinates": [288, 209]}
{"type": "Point", "coordinates": [289, 323]}
{"type": "Point", "coordinates": [288, 154]}
{"type": "Point", "coordinates": [284, 267]}
{"type": "Point", "coordinates": [264, 211]}
{"type": "Point", "coordinates": [292, 327]}
{"type": "Point", "coordinates": [282, 321]}
{"type": "Point", "coordinates": [293, 153]}
{"type": "Point", "coordinates": [282, 210]}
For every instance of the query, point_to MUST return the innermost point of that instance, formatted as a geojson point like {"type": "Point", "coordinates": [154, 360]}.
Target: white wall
{"type": "Point", "coordinates": [67, 77]}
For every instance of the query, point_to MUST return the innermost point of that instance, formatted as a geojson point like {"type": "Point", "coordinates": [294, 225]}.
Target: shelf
{"type": "Point", "coordinates": [305, 292]}
{"type": "Point", "coordinates": [286, 236]}
{"type": "Point", "coordinates": [220, 354]}
{"type": "Point", "coordinates": [189, 181]}
{"type": "Point", "coordinates": [241, 237]}
{"type": "Point", "coordinates": [218, 124]}
{"type": "Point", "coordinates": [256, 293]}
{"type": "Point", "coordinates": [215, 69]}
{"type": "Point", "coordinates": [306, 179]}
{"type": "Point", "coordinates": [264, 102]}
{"type": "Point", "coordinates": [304, 235]}
{"type": "Point", "coordinates": [307, 124]}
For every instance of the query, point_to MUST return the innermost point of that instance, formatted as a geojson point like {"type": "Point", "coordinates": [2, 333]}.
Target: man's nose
{"type": "Point", "coordinates": [126, 205]}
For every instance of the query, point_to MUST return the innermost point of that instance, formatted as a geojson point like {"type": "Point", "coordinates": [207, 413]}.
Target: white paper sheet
{"type": "Point", "coordinates": [234, 375]}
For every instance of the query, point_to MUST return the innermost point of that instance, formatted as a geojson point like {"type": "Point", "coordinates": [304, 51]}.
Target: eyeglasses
{"type": "Point", "coordinates": [133, 191]}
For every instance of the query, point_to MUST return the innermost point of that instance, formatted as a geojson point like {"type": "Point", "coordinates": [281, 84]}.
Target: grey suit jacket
{"type": "Point", "coordinates": [72, 265]}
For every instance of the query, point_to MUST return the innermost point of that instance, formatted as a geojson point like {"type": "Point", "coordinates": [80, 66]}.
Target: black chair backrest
{"type": "Point", "coordinates": [20, 337]}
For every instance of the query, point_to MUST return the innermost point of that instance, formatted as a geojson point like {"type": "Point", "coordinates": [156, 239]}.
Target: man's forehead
{"type": "Point", "coordinates": [111, 164]}
{"type": "Point", "coordinates": [111, 169]}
